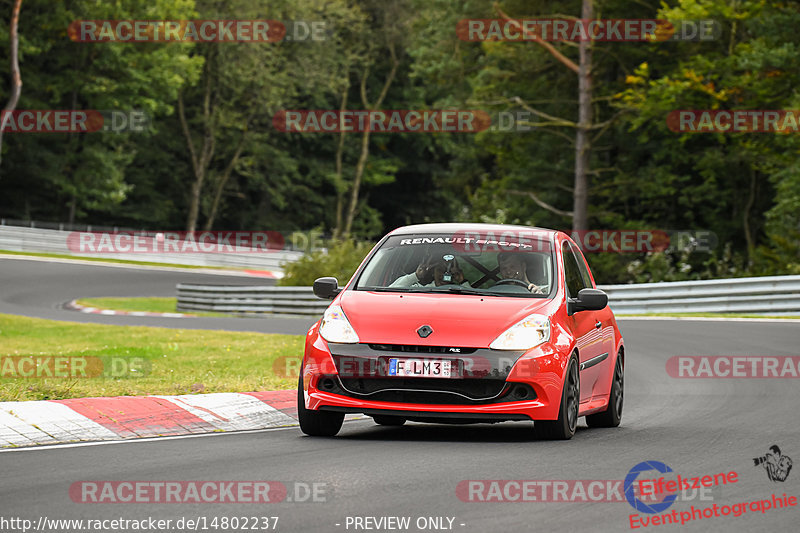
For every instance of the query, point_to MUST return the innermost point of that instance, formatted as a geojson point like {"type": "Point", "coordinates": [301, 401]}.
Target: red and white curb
{"type": "Point", "coordinates": [75, 306]}
{"type": "Point", "coordinates": [271, 274]}
{"type": "Point", "coordinates": [126, 417]}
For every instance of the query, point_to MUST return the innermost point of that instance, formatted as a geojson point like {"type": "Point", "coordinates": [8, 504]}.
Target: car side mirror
{"type": "Point", "coordinates": [588, 300]}
{"type": "Point", "coordinates": [326, 288]}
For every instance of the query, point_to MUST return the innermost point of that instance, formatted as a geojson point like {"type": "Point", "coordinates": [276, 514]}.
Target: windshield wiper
{"type": "Point", "coordinates": [479, 292]}
{"type": "Point", "coordinates": [451, 290]}
{"type": "Point", "coordinates": [386, 289]}
{"type": "Point", "coordinates": [458, 290]}
{"type": "Point", "coordinates": [425, 290]}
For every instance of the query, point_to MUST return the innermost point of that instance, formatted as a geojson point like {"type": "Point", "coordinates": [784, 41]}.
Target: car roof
{"type": "Point", "coordinates": [452, 227]}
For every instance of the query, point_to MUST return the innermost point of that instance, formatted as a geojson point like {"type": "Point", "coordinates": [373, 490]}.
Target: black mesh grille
{"type": "Point", "coordinates": [412, 348]}
{"type": "Point", "coordinates": [428, 390]}
{"type": "Point", "coordinates": [473, 388]}
{"type": "Point", "coordinates": [422, 397]}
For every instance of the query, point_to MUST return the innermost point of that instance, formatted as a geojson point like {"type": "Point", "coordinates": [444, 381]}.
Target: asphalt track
{"type": "Point", "coordinates": [37, 288]}
{"type": "Point", "coordinates": [697, 427]}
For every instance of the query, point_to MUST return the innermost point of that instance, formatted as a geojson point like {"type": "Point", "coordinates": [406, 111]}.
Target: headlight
{"type": "Point", "coordinates": [335, 327]}
{"type": "Point", "coordinates": [531, 331]}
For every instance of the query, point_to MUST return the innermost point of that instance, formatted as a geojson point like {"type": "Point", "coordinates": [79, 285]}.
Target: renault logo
{"type": "Point", "coordinates": [424, 331]}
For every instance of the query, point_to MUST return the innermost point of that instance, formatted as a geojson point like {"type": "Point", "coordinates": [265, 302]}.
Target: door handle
{"type": "Point", "coordinates": [598, 325]}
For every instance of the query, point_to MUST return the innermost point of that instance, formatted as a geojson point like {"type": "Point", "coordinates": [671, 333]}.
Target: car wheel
{"type": "Point", "coordinates": [389, 420]}
{"type": "Point", "coordinates": [316, 423]}
{"type": "Point", "coordinates": [611, 417]}
{"type": "Point", "coordinates": [564, 427]}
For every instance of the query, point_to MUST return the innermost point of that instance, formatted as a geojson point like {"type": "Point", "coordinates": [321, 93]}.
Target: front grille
{"type": "Point", "coordinates": [428, 390]}
{"type": "Point", "coordinates": [472, 388]}
{"type": "Point", "coordinates": [412, 348]}
{"type": "Point", "coordinates": [423, 397]}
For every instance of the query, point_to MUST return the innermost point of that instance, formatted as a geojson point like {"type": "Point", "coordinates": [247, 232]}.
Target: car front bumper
{"type": "Point", "coordinates": [329, 382]}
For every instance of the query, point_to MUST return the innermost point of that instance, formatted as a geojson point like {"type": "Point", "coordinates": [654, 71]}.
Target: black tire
{"type": "Point", "coordinates": [564, 427]}
{"type": "Point", "coordinates": [389, 420]}
{"type": "Point", "coordinates": [611, 417]}
{"type": "Point", "coordinates": [316, 423]}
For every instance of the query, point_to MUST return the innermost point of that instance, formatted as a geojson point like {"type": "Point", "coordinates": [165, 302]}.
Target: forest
{"type": "Point", "coordinates": [582, 133]}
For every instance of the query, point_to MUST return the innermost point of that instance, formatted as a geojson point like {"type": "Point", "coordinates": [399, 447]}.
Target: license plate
{"type": "Point", "coordinates": [422, 368]}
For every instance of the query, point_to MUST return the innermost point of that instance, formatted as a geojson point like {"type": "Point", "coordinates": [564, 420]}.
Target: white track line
{"type": "Point", "coordinates": [711, 319]}
{"type": "Point", "coordinates": [132, 441]}
{"type": "Point", "coordinates": [347, 419]}
{"type": "Point", "coordinates": [134, 266]}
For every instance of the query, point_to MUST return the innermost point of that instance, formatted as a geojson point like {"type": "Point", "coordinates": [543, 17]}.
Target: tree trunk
{"type": "Point", "coordinates": [198, 170]}
{"type": "Point", "coordinates": [580, 193]}
{"type": "Point", "coordinates": [16, 78]}
{"type": "Point", "coordinates": [223, 181]}
{"type": "Point", "coordinates": [362, 159]}
{"type": "Point", "coordinates": [199, 161]}
{"type": "Point", "coordinates": [73, 203]}
{"type": "Point", "coordinates": [748, 234]}
{"type": "Point", "coordinates": [580, 217]}
{"type": "Point", "coordinates": [362, 163]}
{"type": "Point", "coordinates": [194, 203]}
{"type": "Point", "coordinates": [338, 181]}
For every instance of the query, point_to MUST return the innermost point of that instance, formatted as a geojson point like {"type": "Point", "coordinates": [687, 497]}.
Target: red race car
{"type": "Point", "coordinates": [463, 323]}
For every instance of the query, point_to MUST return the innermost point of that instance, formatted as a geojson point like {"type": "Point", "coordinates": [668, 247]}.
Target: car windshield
{"type": "Point", "coordinates": [476, 263]}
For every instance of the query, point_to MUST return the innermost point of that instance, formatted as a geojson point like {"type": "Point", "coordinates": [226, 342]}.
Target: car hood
{"type": "Point", "coordinates": [456, 319]}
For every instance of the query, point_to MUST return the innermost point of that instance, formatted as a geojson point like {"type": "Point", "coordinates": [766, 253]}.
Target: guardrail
{"type": "Point", "coordinates": [250, 300]}
{"type": "Point", "coordinates": [777, 295]}
{"type": "Point", "coordinates": [769, 295]}
{"type": "Point", "coordinates": [20, 239]}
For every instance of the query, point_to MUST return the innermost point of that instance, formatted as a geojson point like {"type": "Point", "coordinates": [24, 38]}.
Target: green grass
{"type": "Point", "coordinates": [146, 304]}
{"type": "Point", "coordinates": [709, 315]}
{"type": "Point", "coordinates": [122, 261]}
{"type": "Point", "coordinates": [180, 361]}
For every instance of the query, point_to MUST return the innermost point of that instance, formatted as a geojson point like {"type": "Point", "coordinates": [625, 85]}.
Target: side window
{"type": "Point", "coordinates": [572, 273]}
{"type": "Point", "coordinates": [587, 279]}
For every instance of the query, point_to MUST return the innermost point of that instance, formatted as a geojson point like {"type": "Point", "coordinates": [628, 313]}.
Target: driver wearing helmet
{"type": "Point", "coordinates": [512, 266]}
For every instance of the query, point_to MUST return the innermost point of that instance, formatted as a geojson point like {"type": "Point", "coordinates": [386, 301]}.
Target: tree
{"type": "Point", "coordinates": [719, 181]}
{"type": "Point", "coordinates": [243, 82]}
{"type": "Point", "coordinates": [579, 213]}
{"type": "Point", "coordinates": [379, 46]}
{"type": "Point", "coordinates": [83, 172]}
{"type": "Point", "coordinates": [16, 79]}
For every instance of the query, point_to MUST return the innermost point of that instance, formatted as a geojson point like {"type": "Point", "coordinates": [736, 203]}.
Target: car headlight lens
{"type": "Point", "coordinates": [531, 331]}
{"type": "Point", "coordinates": [335, 327]}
